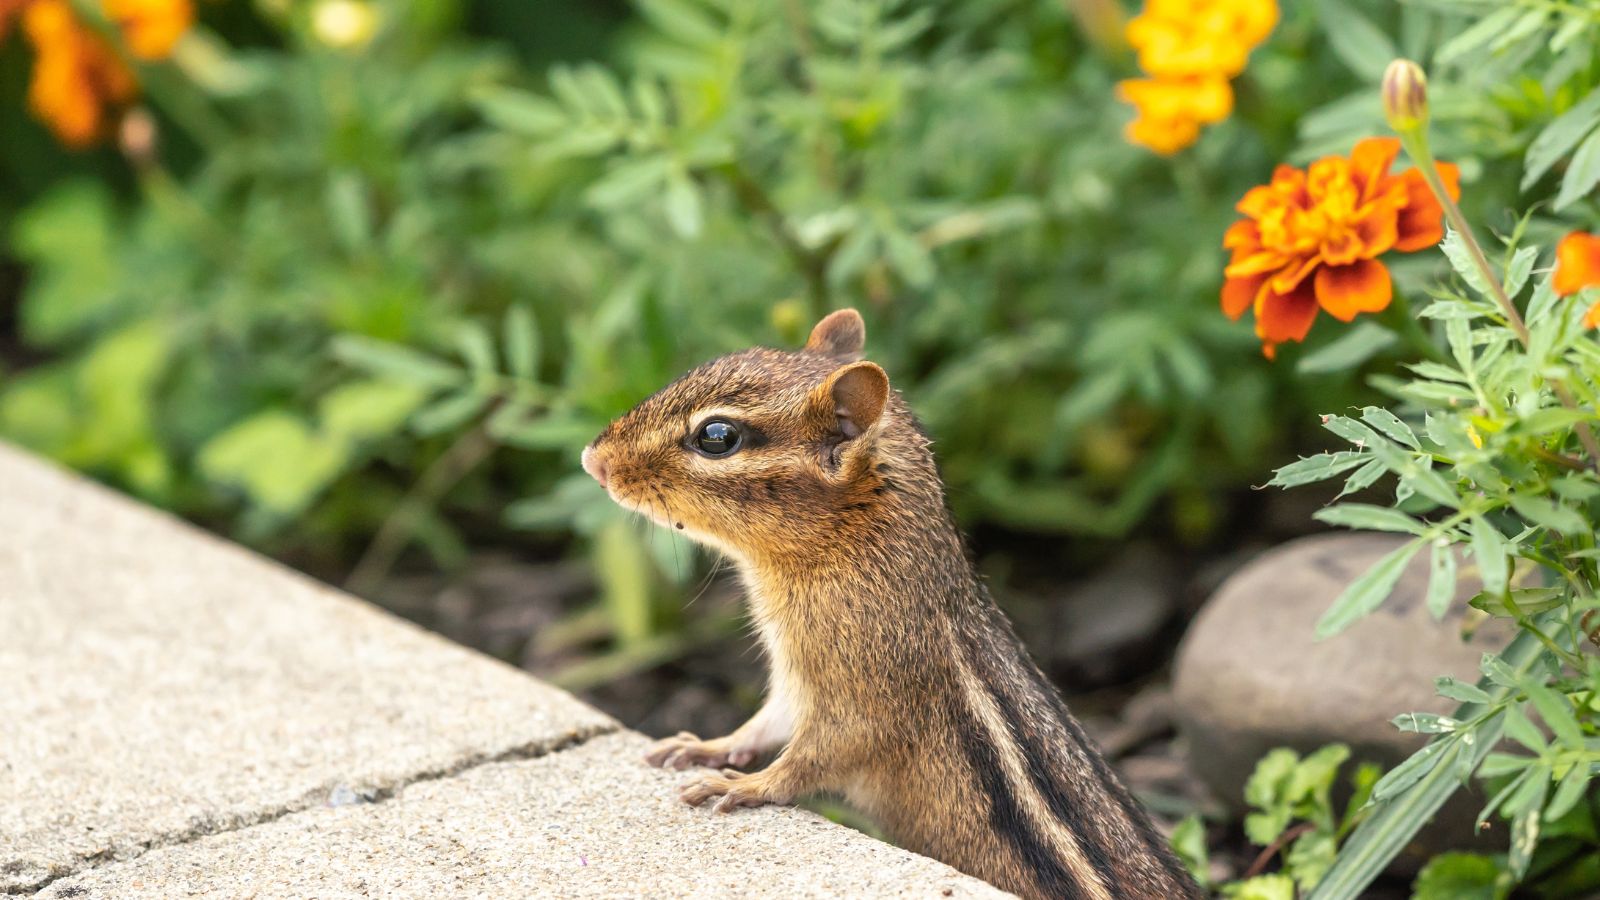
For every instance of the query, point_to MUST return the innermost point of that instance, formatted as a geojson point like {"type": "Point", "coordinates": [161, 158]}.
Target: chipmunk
{"type": "Point", "coordinates": [895, 680]}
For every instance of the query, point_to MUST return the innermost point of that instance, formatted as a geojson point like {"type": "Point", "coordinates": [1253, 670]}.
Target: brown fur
{"type": "Point", "coordinates": [896, 681]}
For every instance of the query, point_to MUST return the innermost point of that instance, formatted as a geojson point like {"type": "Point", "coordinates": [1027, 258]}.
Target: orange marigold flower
{"type": "Point", "coordinates": [151, 27]}
{"type": "Point", "coordinates": [1171, 111]}
{"type": "Point", "coordinates": [1578, 267]}
{"type": "Point", "coordinates": [76, 75]}
{"type": "Point", "coordinates": [1311, 239]}
{"type": "Point", "coordinates": [78, 78]}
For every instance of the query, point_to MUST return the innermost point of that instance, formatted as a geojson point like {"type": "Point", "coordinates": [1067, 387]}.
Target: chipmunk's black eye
{"type": "Point", "coordinates": [717, 438]}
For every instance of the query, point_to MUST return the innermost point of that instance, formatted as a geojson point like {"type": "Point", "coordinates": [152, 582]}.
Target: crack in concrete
{"type": "Point", "coordinates": [317, 797]}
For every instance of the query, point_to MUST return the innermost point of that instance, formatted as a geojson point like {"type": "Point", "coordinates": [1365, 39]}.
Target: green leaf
{"type": "Point", "coordinates": [1495, 669]}
{"type": "Point", "coordinates": [1559, 137]}
{"type": "Point", "coordinates": [1529, 601]}
{"type": "Point", "coordinates": [1569, 791]}
{"type": "Point", "coordinates": [1459, 691]}
{"type": "Point", "coordinates": [476, 348]}
{"type": "Point", "coordinates": [349, 211]}
{"type": "Point", "coordinates": [1410, 802]}
{"type": "Point", "coordinates": [1189, 843]}
{"type": "Point", "coordinates": [520, 343]}
{"type": "Point", "coordinates": [1458, 876]}
{"type": "Point", "coordinates": [1364, 515]}
{"type": "Point", "coordinates": [683, 206]}
{"type": "Point", "coordinates": [394, 361]}
{"type": "Point", "coordinates": [1312, 468]}
{"type": "Point", "coordinates": [1478, 36]}
{"type": "Point", "coordinates": [1362, 478]}
{"type": "Point", "coordinates": [1455, 250]}
{"type": "Point", "coordinates": [1349, 350]}
{"type": "Point", "coordinates": [1310, 857]}
{"type": "Point", "coordinates": [908, 257]}
{"type": "Point", "coordinates": [681, 19]}
{"type": "Point", "coordinates": [363, 410]}
{"type": "Point", "coordinates": [521, 112]}
{"type": "Point", "coordinates": [279, 462]}
{"type": "Point", "coordinates": [68, 237]}
{"type": "Point", "coordinates": [1582, 173]}
{"type": "Point", "coordinates": [1261, 887]}
{"type": "Point", "coordinates": [1409, 772]}
{"type": "Point", "coordinates": [1525, 830]}
{"type": "Point", "coordinates": [629, 183]}
{"type": "Point", "coordinates": [1556, 712]}
{"type": "Point", "coordinates": [1522, 730]}
{"type": "Point", "coordinates": [1441, 579]}
{"type": "Point", "coordinates": [1425, 723]}
{"type": "Point", "coordinates": [1489, 550]}
{"type": "Point", "coordinates": [1391, 425]}
{"type": "Point", "coordinates": [1549, 514]}
{"type": "Point", "coordinates": [1368, 592]}
{"type": "Point", "coordinates": [1267, 791]}
{"type": "Point", "coordinates": [1519, 269]}
{"type": "Point", "coordinates": [1359, 44]}
{"type": "Point", "coordinates": [449, 413]}
{"type": "Point", "coordinates": [623, 567]}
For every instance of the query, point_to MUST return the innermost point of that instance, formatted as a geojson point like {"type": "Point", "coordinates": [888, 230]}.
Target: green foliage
{"type": "Point", "coordinates": [1462, 876]}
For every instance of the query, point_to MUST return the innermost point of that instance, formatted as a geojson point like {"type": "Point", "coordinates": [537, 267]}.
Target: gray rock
{"type": "Point", "coordinates": [1250, 675]}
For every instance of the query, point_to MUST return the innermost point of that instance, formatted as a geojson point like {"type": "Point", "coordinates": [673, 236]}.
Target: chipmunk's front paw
{"type": "Point", "coordinates": [731, 789]}
{"type": "Point", "coordinates": [683, 750]}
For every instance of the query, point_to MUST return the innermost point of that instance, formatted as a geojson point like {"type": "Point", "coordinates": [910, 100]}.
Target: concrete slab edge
{"type": "Point", "coordinates": [363, 793]}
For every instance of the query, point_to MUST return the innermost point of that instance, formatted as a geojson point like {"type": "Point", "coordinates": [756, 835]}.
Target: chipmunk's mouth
{"type": "Point", "coordinates": [652, 511]}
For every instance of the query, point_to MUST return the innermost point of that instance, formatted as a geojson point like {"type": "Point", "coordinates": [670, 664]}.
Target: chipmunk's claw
{"type": "Point", "coordinates": [732, 789]}
{"type": "Point", "coordinates": [684, 749]}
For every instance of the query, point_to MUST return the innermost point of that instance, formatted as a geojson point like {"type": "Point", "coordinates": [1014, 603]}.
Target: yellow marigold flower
{"type": "Point", "coordinates": [151, 28]}
{"type": "Point", "coordinates": [75, 74]}
{"type": "Point", "coordinates": [1177, 38]}
{"type": "Point", "coordinates": [1171, 111]}
{"type": "Point", "coordinates": [1190, 48]}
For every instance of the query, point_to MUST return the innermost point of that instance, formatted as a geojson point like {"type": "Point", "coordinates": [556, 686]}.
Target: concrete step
{"type": "Point", "coordinates": [179, 715]}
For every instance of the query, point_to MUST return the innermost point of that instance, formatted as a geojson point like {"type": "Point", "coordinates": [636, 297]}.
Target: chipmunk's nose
{"type": "Point", "coordinates": [594, 465]}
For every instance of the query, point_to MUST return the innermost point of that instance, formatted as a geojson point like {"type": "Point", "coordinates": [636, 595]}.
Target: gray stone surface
{"type": "Point", "coordinates": [1250, 675]}
{"type": "Point", "coordinates": [157, 683]}
{"type": "Point", "coordinates": [589, 821]}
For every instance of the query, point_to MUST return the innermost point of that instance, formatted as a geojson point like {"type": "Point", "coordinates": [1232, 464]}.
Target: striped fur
{"type": "Point", "coordinates": [896, 681]}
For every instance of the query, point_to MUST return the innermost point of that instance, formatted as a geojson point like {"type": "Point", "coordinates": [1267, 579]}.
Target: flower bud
{"type": "Point", "coordinates": [1405, 95]}
{"type": "Point", "coordinates": [344, 24]}
{"type": "Point", "coordinates": [136, 137]}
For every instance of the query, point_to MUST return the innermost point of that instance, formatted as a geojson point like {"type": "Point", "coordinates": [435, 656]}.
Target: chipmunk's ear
{"type": "Point", "coordinates": [840, 335]}
{"type": "Point", "coordinates": [857, 393]}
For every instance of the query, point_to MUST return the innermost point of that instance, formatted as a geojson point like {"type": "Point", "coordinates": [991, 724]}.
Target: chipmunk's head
{"type": "Point", "coordinates": [758, 451]}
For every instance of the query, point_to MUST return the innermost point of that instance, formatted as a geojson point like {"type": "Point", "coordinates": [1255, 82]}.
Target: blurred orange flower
{"type": "Point", "coordinates": [151, 27]}
{"type": "Point", "coordinates": [1190, 48]}
{"type": "Point", "coordinates": [1578, 267]}
{"type": "Point", "coordinates": [78, 77]}
{"type": "Point", "coordinates": [1311, 239]}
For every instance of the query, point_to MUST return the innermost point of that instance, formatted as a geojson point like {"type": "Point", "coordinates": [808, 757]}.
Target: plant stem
{"type": "Point", "coordinates": [1416, 143]}
{"type": "Point", "coordinates": [469, 450]}
{"type": "Point", "coordinates": [1271, 850]}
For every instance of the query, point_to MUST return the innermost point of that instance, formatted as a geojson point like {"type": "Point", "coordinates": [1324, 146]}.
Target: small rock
{"type": "Point", "coordinates": [1250, 675]}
